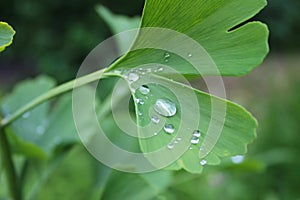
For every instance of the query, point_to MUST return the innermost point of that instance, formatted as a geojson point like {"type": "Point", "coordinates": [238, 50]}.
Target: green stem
{"type": "Point", "coordinates": [11, 175]}
{"type": "Point", "coordinates": [55, 92]}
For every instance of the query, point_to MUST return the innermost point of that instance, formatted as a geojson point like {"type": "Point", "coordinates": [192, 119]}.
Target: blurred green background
{"type": "Point", "coordinates": [53, 37]}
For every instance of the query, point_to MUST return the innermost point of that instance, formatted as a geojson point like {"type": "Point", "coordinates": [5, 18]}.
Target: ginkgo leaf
{"type": "Point", "coordinates": [181, 127]}
{"type": "Point", "coordinates": [6, 35]}
{"type": "Point", "coordinates": [213, 25]}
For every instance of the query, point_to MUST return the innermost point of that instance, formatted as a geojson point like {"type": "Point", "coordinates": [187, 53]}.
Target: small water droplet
{"type": "Point", "coordinates": [194, 140]}
{"type": "Point", "coordinates": [165, 107]}
{"type": "Point", "coordinates": [140, 101]}
{"type": "Point", "coordinates": [132, 77]}
{"type": "Point", "coordinates": [40, 130]}
{"type": "Point", "coordinates": [190, 148]}
{"type": "Point", "coordinates": [175, 142]}
{"type": "Point", "coordinates": [26, 115]}
{"type": "Point", "coordinates": [156, 133]}
{"type": "Point", "coordinates": [167, 55]}
{"type": "Point", "coordinates": [190, 55]}
{"type": "Point", "coordinates": [197, 133]}
{"type": "Point", "coordinates": [171, 145]}
{"type": "Point", "coordinates": [144, 89]}
{"type": "Point", "coordinates": [179, 139]}
{"type": "Point", "coordinates": [237, 159]}
{"type": "Point", "coordinates": [203, 162]}
{"type": "Point", "coordinates": [160, 69]}
{"type": "Point", "coordinates": [140, 113]}
{"type": "Point", "coordinates": [155, 119]}
{"type": "Point", "coordinates": [148, 70]}
{"type": "Point", "coordinates": [169, 128]}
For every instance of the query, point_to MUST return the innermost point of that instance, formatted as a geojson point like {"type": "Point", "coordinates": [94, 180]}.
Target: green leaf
{"type": "Point", "coordinates": [214, 25]}
{"type": "Point", "coordinates": [6, 35]}
{"type": "Point", "coordinates": [118, 24]}
{"type": "Point", "coordinates": [39, 131]}
{"type": "Point", "coordinates": [134, 186]}
{"type": "Point", "coordinates": [158, 54]}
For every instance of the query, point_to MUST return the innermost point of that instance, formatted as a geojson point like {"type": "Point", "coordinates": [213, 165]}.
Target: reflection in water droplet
{"type": "Point", "coordinates": [144, 89]}
{"type": "Point", "coordinates": [132, 77]}
{"type": "Point", "coordinates": [196, 133]}
{"type": "Point", "coordinates": [165, 107]}
{"type": "Point", "coordinates": [203, 162]}
{"type": "Point", "coordinates": [237, 159]}
{"type": "Point", "coordinates": [170, 145]}
{"type": "Point", "coordinates": [169, 128]}
{"type": "Point", "coordinates": [26, 115]}
{"type": "Point", "coordinates": [194, 140]}
{"type": "Point", "coordinates": [155, 119]}
{"type": "Point", "coordinates": [160, 69]}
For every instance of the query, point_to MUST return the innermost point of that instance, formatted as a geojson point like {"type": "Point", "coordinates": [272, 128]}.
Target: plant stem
{"type": "Point", "coordinates": [12, 177]}
{"type": "Point", "coordinates": [55, 92]}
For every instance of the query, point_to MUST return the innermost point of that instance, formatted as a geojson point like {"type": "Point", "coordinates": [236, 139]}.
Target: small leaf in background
{"type": "Point", "coordinates": [39, 131]}
{"type": "Point", "coordinates": [118, 24]}
{"type": "Point", "coordinates": [6, 35]}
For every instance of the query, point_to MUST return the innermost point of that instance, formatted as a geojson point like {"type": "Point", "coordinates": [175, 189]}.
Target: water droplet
{"type": "Point", "coordinates": [179, 139]}
{"type": "Point", "coordinates": [167, 55]}
{"type": "Point", "coordinates": [175, 142]}
{"type": "Point", "coordinates": [190, 55]}
{"type": "Point", "coordinates": [190, 148]}
{"type": "Point", "coordinates": [169, 128]}
{"type": "Point", "coordinates": [165, 107]}
{"type": "Point", "coordinates": [237, 159]}
{"type": "Point", "coordinates": [203, 162]}
{"type": "Point", "coordinates": [140, 101]}
{"type": "Point", "coordinates": [148, 70]}
{"type": "Point", "coordinates": [160, 69]}
{"type": "Point", "coordinates": [144, 89]}
{"type": "Point", "coordinates": [195, 140]}
{"type": "Point", "coordinates": [156, 133]}
{"type": "Point", "coordinates": [197, 133]}
{"type": "Point", "coordinates": [40, 130]}
{"type": "Point", "coordinates": [132, 77]}
{"type": "Point", "coordinates": [155, 119]}
{"type": "Point", "coordinates": [26, 115]}
{"type": "Point", "coordinates": [171, 145]}
{"type": "Point", "coordinates": [140, 113]}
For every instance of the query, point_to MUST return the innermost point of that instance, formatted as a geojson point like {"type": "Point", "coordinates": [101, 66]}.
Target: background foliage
{"type": "Point", "coordinates": [53, 37]}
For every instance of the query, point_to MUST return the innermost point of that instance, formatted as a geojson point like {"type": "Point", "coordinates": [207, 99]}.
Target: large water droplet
{"type": "Point", "coordinates": [169, 128]}
{"type": "Point", "coordinates": [144, 89]}
{"type": "Point", "coordinates": [194, 140]}
{"type": "Point", "coordinates": [237, 159]}
{"type": "Point", "coordinates": [155, 119]}
{"type": "Point", "coordinates": [171, 145]}
{"type": "Point", "coordinates": [165, 107]}
{"type": "Point", "coordinates": [132, 77]}
{"type": "Point", "coordinates": [26, 115]}
{"type": "Point", "coordinates": [196, 133]}
{"type": "Point", "coordinates": [203, 162]}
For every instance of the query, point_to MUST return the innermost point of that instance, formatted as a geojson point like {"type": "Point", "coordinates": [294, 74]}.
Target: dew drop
{"type": "Point", "coordinates": [167, 55]}
{"type": "Point", "coordinates": [169, 128]}
{"type": "Point", "coordinates": [140, 113]}
{"type": "Point", "coordinates": [197, 133]}
{"type": "Point", "coordinates": [165, 107]}
{"type": "Point", "coordinates": [132, 77]}
{"type": "Point", "coordinates": [179, 139]}
{"type": "Point", "coordinates": [237, 159]}
{"type": "Point", "coordinates": [190, 55]}
{"type": "Point", "coordinates": [26, 115]}
{"type": "Point", "coordinates": [156, 133]}
{"type": "Point", "coordinates": [171, 145]}
{"type": "Point", "coordinates": [144, 89]}
{"type": "Point", "coordinates": [194, 140]}
{"type": "Point", "coordinates": [160, 69]}
{"type": "Point", "coordinates": [191, 148]}
{"type": "Point", "coordinates": [203, 162]}
{"type": "Point", "coordinates": [155, 119]}
{"type": "Point", "coordinates": [140, 101]}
